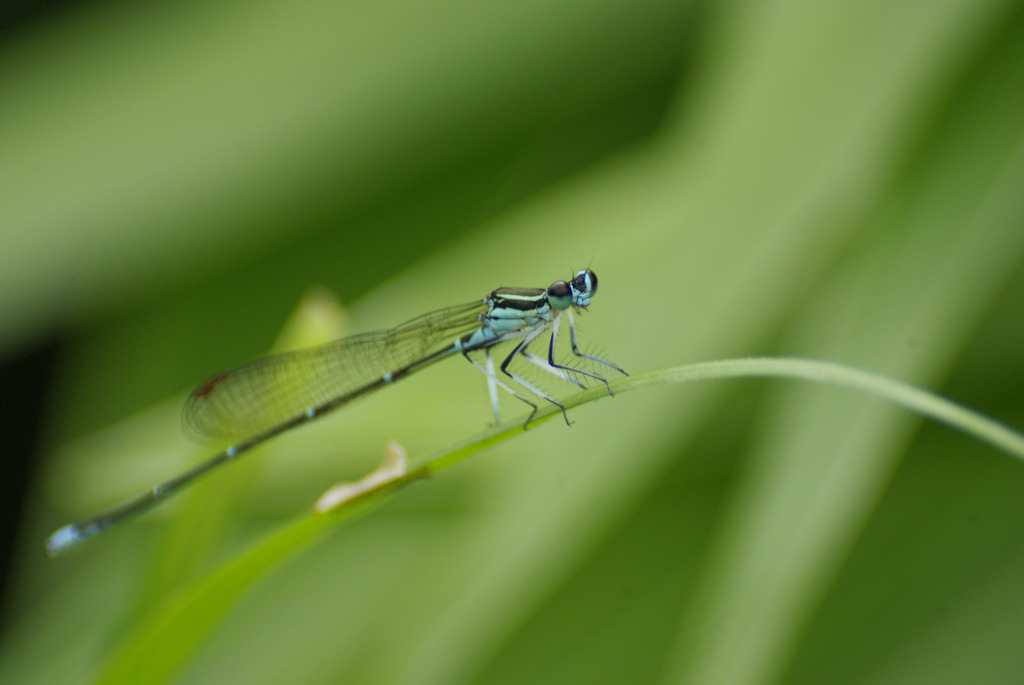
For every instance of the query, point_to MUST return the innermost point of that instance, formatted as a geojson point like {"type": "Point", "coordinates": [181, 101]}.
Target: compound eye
{"type": "Point", "coordinates": [585, 281]}
{"type": "Point", "coordinates": [560, 295]}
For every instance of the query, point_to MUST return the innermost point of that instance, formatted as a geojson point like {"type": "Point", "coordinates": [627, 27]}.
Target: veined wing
{"type": "Point", "coordinates": [250, 399]}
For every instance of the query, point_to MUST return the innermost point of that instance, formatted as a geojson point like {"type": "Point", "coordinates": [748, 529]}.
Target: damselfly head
{"type": "Point", "coordinates": [584, 285]}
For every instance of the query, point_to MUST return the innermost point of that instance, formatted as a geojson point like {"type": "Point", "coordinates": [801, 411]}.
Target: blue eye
{"type": "Point", "coordinates": [585, 281]}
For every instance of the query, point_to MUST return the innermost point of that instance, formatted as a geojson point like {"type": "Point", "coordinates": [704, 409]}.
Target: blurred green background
{"type": "Point", "coordinates": [838, 180]}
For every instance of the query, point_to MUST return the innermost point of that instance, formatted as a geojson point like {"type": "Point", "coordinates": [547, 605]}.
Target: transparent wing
{"type": "Point", "coordinates": [247, 400]}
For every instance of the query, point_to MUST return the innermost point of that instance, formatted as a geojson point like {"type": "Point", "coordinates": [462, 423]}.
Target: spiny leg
{"type": "Point", "coordinates": [493, 382]}
{"type": "Point", "coordinates": [560, 373]}
{"type": "Point", "coordinates": [492, 386]}
{"type": "Point", "coordinates": [543, 364]}
{"type": "Point", "coordinates": [576, 351]}
{"type": "Point", "coordinates": [527, 384]}
{"type": "Point", "coordinates": [565, 370]}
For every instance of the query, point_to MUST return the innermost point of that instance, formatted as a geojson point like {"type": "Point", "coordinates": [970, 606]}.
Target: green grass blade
{"type": "Point", "coordinates": [174, 631]}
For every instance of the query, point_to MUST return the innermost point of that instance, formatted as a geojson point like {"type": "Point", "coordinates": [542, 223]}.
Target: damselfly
{"type": "Point", "coordinates": [250, 404]}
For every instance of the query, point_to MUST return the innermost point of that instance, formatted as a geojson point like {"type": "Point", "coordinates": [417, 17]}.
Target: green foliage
{"type": "Point", "coordinates": [830, 180]}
